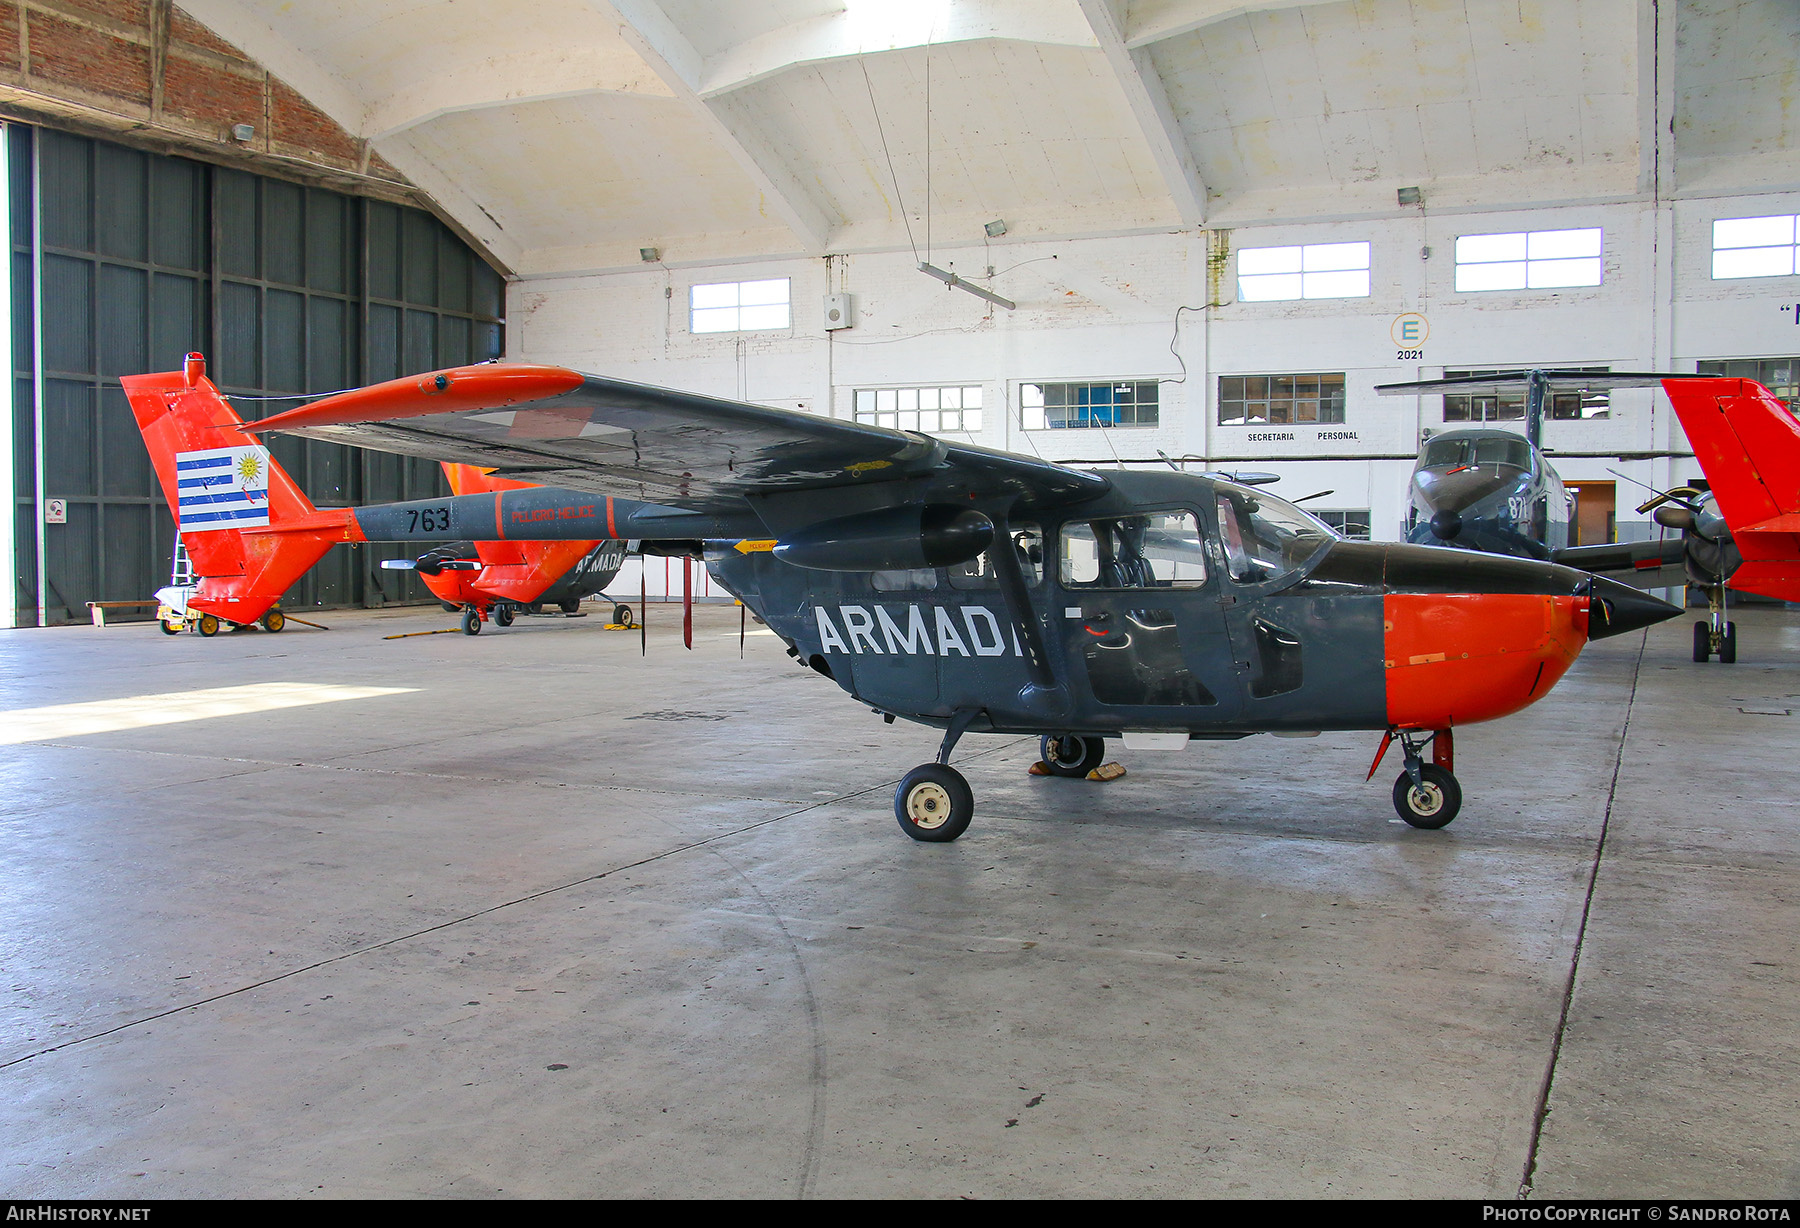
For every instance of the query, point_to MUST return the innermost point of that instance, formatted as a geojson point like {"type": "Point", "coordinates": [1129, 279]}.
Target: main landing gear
{"type": "Point", "coordinates": [1716, 636]}
{"type": "Point", "coordinates": [1425, 794]}
{"type": "Point", "coordinates": [934, 803]}
{"type": "Point", "coordinates": [1071, 754]}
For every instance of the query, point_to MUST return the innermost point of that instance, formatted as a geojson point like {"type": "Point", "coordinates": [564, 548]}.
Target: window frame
{"type": "Point", "coordinates": [1318, 272]}
{"type": "Point", "coordinates": [877, 414]}
{"type": "Point", "coordinates": [1328, 411]}
{"type": "Point", "coordinates": [1136, 405]}
{"type": "Point", "coordinates": [737, 307]}
{"type": "Point", "coordinates": [1556, 411]}
{"type": "Point", "coordinates": [1537, 250]}
{"type": "Point", "coordinates": [1790, 247]}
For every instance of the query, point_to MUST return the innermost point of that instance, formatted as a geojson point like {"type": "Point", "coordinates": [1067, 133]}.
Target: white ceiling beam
{"type": "Point", "coordinates": [1149, 102]}
{"type": "Point", "coordinates": [672, 57]}
{"type": "Point", "coordinates": [489, 82]}
{"type": "Point", "coordinates": [1154, 20]}
{"type": "Point", "coordinates": [256, 38]}
{"type": "Point", "coordinates": [870, 30]}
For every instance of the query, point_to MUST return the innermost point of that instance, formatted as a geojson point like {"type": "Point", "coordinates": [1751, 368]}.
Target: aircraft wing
{"type": "Point", "coordinates": [556, 427]}
{"type": "Point", "coordinates": [1512, 381]}
{"type": "Point", "coordinates": [1646, 564]}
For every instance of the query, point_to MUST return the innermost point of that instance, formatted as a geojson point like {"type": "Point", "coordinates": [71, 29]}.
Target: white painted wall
{"type": "Point", "coordinates": [1105, 308]}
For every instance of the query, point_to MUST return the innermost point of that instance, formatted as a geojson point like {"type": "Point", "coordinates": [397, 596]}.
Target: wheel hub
{"type": "Point", "coordinates": [928, 806]}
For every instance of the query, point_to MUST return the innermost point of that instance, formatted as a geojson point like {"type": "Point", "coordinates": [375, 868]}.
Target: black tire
{"type": "Point", "coordinates": [168, 628]}
{"type": "Point", "coordinates": [1702, 642]}
{"type": "Point", "coordinates": [207, 625]}
{"type": "Point", "coordinates": [534, 607]}
{"type": "Point", "coordinates": [1728, 645]}
{"type": "Point", "coordinates": [471, 623]}
{"type": "Point", "coordinates": [570, 607]}
{"type": "Point", "coordinates": [273, 621]}
{"type": "Point", "coordinates": [1434, 804]}
{"type": "Point", "coordinates": [1072, 754]}
{"type": "Point", "coordinates": [450, 607]}
{"type": "Point", "coordinates": [934, 804]}
{"type": "Point", "coordinates": [503, 616]}
{"type": "Point", "coordinates": [622, 616]}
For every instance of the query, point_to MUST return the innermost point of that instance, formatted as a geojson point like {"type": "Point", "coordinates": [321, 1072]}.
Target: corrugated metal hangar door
{"type": "Point", "coordinates": [125, 260]}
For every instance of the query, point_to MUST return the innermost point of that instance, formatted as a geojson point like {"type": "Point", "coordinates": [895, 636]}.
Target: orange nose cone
{"type": "Point", "coordinates": [1457, 658]}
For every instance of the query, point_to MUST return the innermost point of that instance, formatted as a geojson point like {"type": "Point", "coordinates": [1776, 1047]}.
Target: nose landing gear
{"type": "Point", "coordinates": [1716, 636]}
{"type": "Point", "coordinates": [1425, 794]}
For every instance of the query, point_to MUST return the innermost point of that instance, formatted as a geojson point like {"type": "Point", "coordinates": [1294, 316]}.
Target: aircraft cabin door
{"type": "Point", "coordinates": [1142, 626]}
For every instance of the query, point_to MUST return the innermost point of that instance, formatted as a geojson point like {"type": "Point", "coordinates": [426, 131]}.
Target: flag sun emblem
{"type": "Point", "coordinates": [249, 468]}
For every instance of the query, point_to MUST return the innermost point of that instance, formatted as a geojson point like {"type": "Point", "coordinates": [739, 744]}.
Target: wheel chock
{"type": "Point", "coordinates": [1107, 771]}
{"type": "Point", "coordinates": [1037, 768]}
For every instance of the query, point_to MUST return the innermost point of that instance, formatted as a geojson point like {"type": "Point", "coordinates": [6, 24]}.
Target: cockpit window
{"type": "Point", "coordinates": [1266, 538]}
{"type": "Point", "coordinates": [1482, 450]}
{"type": "Point", "coordinates": [1159, 550]}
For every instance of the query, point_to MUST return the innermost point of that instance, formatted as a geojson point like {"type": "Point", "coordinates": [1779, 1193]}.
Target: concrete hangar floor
{"type": "Point", "coordinates": [546, 918]}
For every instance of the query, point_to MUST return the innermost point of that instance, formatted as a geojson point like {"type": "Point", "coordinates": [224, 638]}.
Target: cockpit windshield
{"type": "Point", "coordinates": [1266, 538]}
{"type": "Point", "coordinates": [1456, 451]}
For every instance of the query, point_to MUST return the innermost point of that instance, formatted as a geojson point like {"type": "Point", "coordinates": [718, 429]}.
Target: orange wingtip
{"type": "Point", "coordinates": [487, 386]}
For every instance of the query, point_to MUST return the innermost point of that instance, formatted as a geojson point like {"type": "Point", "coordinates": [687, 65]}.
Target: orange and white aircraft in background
{"type": "Point", "coordinates": [251, 533]}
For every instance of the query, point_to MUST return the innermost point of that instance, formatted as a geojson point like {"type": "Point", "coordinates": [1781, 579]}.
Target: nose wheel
{"type": "Point", "coordinates": [1432, 802]}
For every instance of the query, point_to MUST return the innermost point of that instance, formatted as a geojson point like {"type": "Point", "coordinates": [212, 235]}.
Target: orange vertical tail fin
{"type": "Point", "coordinates": [1748, 442]}
{"type": "Point", "coordinates": [249, 530]}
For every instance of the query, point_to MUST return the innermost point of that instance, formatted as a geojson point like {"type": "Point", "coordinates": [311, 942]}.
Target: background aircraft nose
{"type": "Point", "coordinates": [1617, 608]}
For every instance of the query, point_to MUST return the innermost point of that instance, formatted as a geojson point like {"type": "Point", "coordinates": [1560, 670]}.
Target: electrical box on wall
{"type": "Point", "coordinates": [838, 312]}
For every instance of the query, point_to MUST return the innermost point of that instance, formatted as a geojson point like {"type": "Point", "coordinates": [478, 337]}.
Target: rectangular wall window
{"type": "Point", "coordinates": [1055, 406]}
{"type": "Point", "coordinates": [955, 408]}
{"type": "Point", "coordinates": [1780, 376]}
{"type": "Point", "coordinates": [1509, 406]}
{"type": "Point", "coordinates": [1353, 523]}
{"type": "Point", "coordinates": [1754, 247]}
{"type": "Point", "coordinates": [1316, 270]}
{"type": "Point", "coordinates": [739, 306]}
{"type": "Point", "coordinates": [1256, 400]}
{"type": "Point", "coordinates": [1531, 260]}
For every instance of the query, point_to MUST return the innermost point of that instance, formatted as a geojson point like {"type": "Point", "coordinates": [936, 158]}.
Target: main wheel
{"type": "Point", "coordinates": [933, 803]}
{"type": "Point", "coordinates": [450, 607]}
{"type": "Point", "coordinates": [503, 615]}
{"type": "Point", "coordinates": [569, 607]}
{"type": "Point", "coordinates": [168, 628]}
{"type": "Point", "coordinates": [1728, 645]}
{"type": "Point", "coordinates": [622, 616]}
{"type": "Point", "coordinates": [1702, 642]}
{"type": "Point", "coordinates": [274, 620]}
{"type": "Point", "coordinates": [471, 621]}
{"type": "Point", "coordinates": [1073, 754]}
{"type": "Point", "coordinates": [1433, 803]}
{"type": "Point", "coordinates": [208, 625]}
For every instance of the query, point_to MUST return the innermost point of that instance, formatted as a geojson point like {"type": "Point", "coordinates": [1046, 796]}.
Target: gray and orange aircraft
{"type": "Point", "coordinates": [971, 589]}
{"type": "Point", "coordinates": [1490, 489]}
{"type": "Point", "coordinates": [250, 531]}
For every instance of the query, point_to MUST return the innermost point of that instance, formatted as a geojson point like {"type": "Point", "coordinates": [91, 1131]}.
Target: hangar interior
{"type": "Point", "coordinates": [1120, 233]}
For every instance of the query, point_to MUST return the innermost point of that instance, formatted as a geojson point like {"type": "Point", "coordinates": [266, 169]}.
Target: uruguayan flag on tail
{"type": "Point", "coordinates": [224, 488]}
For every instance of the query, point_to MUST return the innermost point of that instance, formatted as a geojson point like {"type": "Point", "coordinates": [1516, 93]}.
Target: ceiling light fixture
{"type": "Point", "coordinates": [995, 228]}
{"type": "Point", "coordinates": [649, 255]}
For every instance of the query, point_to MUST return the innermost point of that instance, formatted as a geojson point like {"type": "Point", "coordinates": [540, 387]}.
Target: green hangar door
{"type": "Point", "coordinates": [125, 260]}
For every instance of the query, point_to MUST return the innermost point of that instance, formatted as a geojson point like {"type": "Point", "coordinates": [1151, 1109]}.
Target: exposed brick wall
{"type": "Point", "coordinates": [146, 67]}
{"type": "Point", "coordinates": [88, 59]}
{"type": "Point", "coordinates": [296, 123]}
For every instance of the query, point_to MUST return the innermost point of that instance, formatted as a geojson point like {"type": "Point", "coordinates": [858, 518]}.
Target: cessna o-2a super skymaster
{"type": "Point", "coordinates": [972, 589]}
